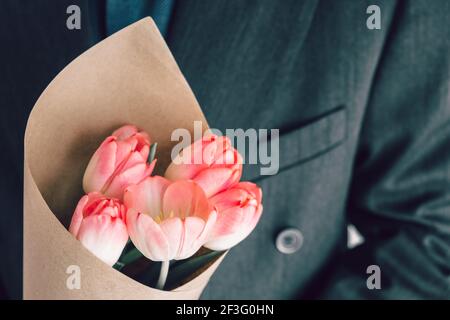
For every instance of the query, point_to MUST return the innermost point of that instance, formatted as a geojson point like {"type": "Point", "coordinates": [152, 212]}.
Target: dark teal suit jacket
{"type": "Point", "coordinates": [364, 117]}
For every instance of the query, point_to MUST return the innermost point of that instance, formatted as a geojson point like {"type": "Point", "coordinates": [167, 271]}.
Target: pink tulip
{"type": "Point", "coordinates": [211, 162]}
{"type": "Point", "coordinates": [121, 160]}
{"type": "Point", "coordinates": [168, 220]}
{"type": "Point", "coordinates": [98, 222]}
{"type": "Point", "coordinates": [238, 212]}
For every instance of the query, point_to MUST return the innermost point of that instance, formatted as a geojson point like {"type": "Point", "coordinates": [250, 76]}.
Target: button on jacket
{"type": "Point", "coordinates": [364, 119]}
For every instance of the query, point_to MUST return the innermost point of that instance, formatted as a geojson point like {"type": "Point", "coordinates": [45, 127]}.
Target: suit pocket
{"type": "Point", "coordinates": [313, 139]}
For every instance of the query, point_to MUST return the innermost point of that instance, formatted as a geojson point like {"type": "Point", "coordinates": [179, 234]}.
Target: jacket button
{"type": "Point", "coordinates": [289, 240]}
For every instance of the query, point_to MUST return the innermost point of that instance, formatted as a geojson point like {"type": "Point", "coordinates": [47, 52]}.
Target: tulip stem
{"type": "Point", "coordinates": [163, 275]}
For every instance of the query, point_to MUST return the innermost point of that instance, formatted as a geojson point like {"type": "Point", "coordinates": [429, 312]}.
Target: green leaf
{"type": "Point", "coordinates": [130, 256]}
{"type": "Point", "coordinates": [150, 276]}
{"type": "Point", "coordinates": [118, 266]}
{"type": "Point", "coordinates": [152, 153]}
{"type": "Point", "coordinates": [181, 270]}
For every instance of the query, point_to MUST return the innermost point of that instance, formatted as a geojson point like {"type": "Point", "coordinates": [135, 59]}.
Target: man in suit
{"type": "Point", "coordinates": [364, 119]}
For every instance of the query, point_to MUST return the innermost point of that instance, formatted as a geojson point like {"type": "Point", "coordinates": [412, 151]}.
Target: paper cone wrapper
{"type": "Point", "coordinates": [129, 78]}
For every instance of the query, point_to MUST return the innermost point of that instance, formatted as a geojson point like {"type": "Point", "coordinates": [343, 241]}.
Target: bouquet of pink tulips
{"type": "Point", "coordinates": [137, 231]}
{"type": "Point", "coordinates": [198, 203]}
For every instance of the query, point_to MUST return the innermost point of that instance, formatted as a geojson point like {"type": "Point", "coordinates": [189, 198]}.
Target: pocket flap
{"type": "Point", "coordinates": [304, 143]}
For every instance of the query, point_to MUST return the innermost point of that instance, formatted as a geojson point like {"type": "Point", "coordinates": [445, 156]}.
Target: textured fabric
{"type": "Point", "coordinates": [37, 46]}
{"type": "Point", "coordinates": [389, 176]}
{"type": "Point", "coordinates": [161, 13]}
{"type": "Point", "coordinates": [121, 13]}
{"type": "Point", "coordinates": [365, 125]}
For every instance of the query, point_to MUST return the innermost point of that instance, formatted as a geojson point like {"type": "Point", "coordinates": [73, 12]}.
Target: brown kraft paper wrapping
{"type": "Point", "coordinates": [130, 77]}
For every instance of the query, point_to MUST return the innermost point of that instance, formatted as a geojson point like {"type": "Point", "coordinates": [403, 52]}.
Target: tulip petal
{"type": "Point", "coordinates": [232, 226]}
{"type": "Point", "coordinates": [202, 151]}
{"type": "Point", "coordinates": [124, 150]}
{"type": "Point", "coordinates": [229, 221]}
{"type": "Point", "coordinates": [147, 236]}
{"type": "Point", "coordinates": [209, 150]}
{"type": "Point", "coordinates": [173, 229]}
{"type": "Point", "coordinates": [77, 217]}
{"type": "Point", "coordinates": [95, 203]}
{"type": "Point", "coordinates": [228, 157]}
{"type": "Point", "coordinates": [222, 144]}
{"type": "Point", "coordinates": [228, 198]}
{"type": "Point", "coordinates": [150, 168]}
{"type": "Point", "coordinates": [192, 159]}
{"type": "Point", "coordinates": [252, 188]}
{"type": "Point", "coordinates": [146, 197]}
{"type": "Point", "coordinates": [193, 227]}
{"type": "Point", "coordinates": [101, 166]}
{"type": "Point", "coordinates": [104, 236]}
{"type": "Point", "coordinates": [239, 210]}
{"type": "Point", "coordinates": [224, 242]}
{"type": "Point", "coordinates": [144, 152]}
{"type": "Point", "coordinates": [134, 159]}
{"type": "Point", "coordinates": [215, 180]}
{"type": "Point", "coordinates": [95, 207]}
{"type": "Point", "coordinates": [207, 230]}
{"type": "Point", "coordinates": [185, 198]}
{"type": "Point", "coordinates": [178, 170]}
{"type": "Point", "coordinates": [125, 178]}
{"type": "Point", "coordinates": [125, 132]}
{"type": "Point", "coordinates": [142, 144]}
{"type": "Point", "coordinates": [230, 238]}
